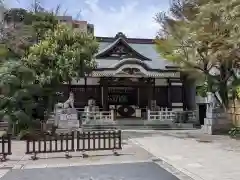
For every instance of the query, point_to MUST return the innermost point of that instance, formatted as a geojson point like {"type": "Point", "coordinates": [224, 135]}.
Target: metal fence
{"type": "Point", "coordinates": [86, 141]}
{"type": "Point", "coordinates": [99, 140]}
{"type": "Point", "coordinates": [51, 144]}
{"type": "Point", "coordinates": [6, 148]}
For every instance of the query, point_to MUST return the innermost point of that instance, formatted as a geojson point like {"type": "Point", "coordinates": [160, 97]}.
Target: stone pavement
{"type": "Point", "coordinates": [132, 158]}
{"type": "Point", "coordinates": [19, 161]}
{"type": "Point", "coordinates": [120, 171]}
{"type": "Point", "coordinates": [201, 157]}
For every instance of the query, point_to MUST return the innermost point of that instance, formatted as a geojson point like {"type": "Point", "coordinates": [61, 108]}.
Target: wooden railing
{"type": "Point", "coordinates": [164, 115]}
{"type": "Point", "coordinates": [174, 116]}
{"type": "Point", "coordinates": [97, 116]}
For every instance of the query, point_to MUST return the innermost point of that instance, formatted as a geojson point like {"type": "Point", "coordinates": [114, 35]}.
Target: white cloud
{"type": "Point", "coordinates": [130, 18]}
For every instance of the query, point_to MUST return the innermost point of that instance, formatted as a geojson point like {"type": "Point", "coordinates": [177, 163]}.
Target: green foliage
{"type": "Point", "coordinates": [15, 15]}
{"type": "Point", "coordinates": [25, 28]}
{"type": "Point", "coordinates": [50, 55]}
{"type": "Point", "coordinates": [234, 132]}
{"type": "Point", "coordinates": [202, 90]}
{"type": "Point", "coordinates": [203, 41]}
{"type": "Point", "coordinates": [4, 53]}
{"type": "Point", "coordinates": [17, 89]}
{"type": "Point", "coordinates": [238, 92]}
{"type": "Point", "coordinates": [62, 54]}
{"type": "Point", "coordinates": [42, 22]}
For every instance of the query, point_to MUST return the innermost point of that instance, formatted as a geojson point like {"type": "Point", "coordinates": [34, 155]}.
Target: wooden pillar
{"type": "Point", "coordinates": [149, 96]}
{"type": "Point", "coordinates": [104, 93]}
{"type": "Point", "coordinates": [183, 94]}
{"type": "Point", "coordinates": [138, 96]}
{"type": "Point", "coordinates": [105, 97]}
{"type": "Point", "coordinates": [169, 94]}
{"type": "Point", "coordinates": [154, 94]}
{"type": "Point", "coordinates": [150, 93]}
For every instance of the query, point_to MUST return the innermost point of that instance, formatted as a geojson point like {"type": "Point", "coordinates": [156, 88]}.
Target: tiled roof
{"type": "Point", "coordinates": [147, 50]}
{"type": "Point", "coordinates": [148, 74]}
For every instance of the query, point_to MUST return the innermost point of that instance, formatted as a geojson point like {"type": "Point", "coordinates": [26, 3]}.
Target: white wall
{"type": "Point", "coordinates": [90, 81]}
{"type": "Point", "coordinates": [161, 82]}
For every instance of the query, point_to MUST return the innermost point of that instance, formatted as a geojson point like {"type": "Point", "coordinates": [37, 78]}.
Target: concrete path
{"type": "Point", "coordinates": [120, 171]}
{"type": "Point", "coordinates": [130, 153]}
{"type": "Point", "coordinates": [199, 156]}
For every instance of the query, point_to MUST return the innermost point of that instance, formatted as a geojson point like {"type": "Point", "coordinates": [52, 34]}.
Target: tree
{"type": "Point", "coordinates": [61, 55]}
{"type": "Point", "coordinates": [25, 28]}
{"type": "Point", "coordinates": [17, 91]}
{"type": "Point", "coordinates": [203, 41]}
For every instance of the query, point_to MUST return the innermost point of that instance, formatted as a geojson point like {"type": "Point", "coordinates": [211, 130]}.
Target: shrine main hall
{"type": "Point", "coordinates": [130, 77]}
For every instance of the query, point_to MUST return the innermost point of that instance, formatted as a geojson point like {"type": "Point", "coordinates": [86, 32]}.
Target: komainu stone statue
{"type": "Point", "coordinates": [66, 115]}
{"type": "Point", "coordinates": [212, 101]}
{"type": "Point", "coordinates": [69, 103]}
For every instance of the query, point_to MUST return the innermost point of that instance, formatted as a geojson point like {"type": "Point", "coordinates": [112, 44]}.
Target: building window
{"type": "Point", "coordinates": [90, 28]}
{"type": "Point", "coordinates": [75, 25]}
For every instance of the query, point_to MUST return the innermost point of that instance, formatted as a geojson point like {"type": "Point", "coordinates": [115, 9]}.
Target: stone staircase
{"type": "Point", "coordinates": [69, 125]}
{"type": "Point", "coordinates": [137, 124]}
{"type": "Point", "coordinates": [3, 126]}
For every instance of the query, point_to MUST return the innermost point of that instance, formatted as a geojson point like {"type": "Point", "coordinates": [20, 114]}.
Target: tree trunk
{"type": "Point", "coordinates": [69, 86]}
{"type": "Point", "coordinates": [223, 91]}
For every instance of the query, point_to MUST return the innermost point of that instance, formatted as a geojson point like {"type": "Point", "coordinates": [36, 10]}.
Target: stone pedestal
{"type": "Point", "coordinates": [216, 122]}
{"type": "Point", "coordinates": [68, 119]}
{"type": "Point", "coordinates": [138, 113]}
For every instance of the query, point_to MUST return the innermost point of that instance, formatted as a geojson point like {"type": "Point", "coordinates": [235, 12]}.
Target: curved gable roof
{"type": "Point", "coordinates": [131, 61]}
{"type": "Point", "coordinates": [120, 40]}
{"type": "Point", "coordinates": [145, 47]}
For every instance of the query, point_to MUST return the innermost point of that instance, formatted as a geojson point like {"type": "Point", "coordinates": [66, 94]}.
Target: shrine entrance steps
{"type": "Point", "coordinates": [126, 124]}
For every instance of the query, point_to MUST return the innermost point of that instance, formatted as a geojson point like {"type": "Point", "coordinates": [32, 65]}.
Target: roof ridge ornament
{"type": "Point", "coordinates": [120, 35]}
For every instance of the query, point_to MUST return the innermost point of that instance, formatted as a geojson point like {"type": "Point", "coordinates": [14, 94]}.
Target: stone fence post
{"type": "Point", "coordinates": [112, 112]}
{"type": "Point", "coordinates": [148, 114]}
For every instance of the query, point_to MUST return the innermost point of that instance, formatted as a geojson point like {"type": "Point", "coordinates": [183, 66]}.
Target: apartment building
{"type": "Point", "coordinates": [77, 24]}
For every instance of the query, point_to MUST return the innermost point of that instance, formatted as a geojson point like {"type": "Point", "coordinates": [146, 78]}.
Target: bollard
{"type": "Point", "coordinates": [84, 155]}
{"type": "Point", "coordinates": [115, 153]}
{"type": "Point", "coordinates": [67, 155]}
{"type": "Point", "coordinates": [34, 157]}
{"type": "Point", "coordinates": [3, 158]}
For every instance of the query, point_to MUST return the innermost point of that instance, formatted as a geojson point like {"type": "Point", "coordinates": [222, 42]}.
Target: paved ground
{"type": "Point", "coordinates": [133, 163]}
{"type": "Point", "coordinates": [201, 157]}
{"type": "Point", "coordinates": [189, 155]}
{"type": "Point", "coordinates": [123, 171]}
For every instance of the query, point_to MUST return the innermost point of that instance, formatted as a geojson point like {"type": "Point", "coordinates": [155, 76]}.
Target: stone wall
{"type": "Point", "coordinates": [217, 120]}
{"type": "Point", "coordinates": [234, 113]}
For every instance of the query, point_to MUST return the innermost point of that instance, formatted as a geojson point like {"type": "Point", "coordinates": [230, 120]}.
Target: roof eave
{"type": "Point", "coordinates": [109, 48]}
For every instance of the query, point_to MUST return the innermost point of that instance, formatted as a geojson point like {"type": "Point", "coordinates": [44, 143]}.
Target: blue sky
{"type": "Point", "coordinates": [135, 18]}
